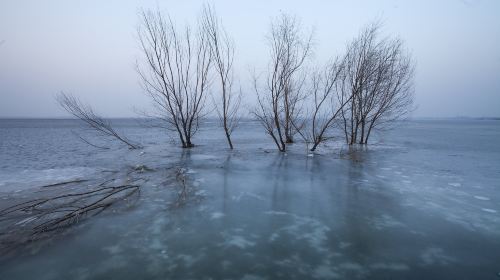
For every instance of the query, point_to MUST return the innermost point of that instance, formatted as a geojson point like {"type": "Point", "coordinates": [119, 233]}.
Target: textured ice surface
{"type": "Point", "coordinates": [421, 202]}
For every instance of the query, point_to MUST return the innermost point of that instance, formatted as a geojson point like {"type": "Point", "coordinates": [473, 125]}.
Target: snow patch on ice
{"type": "Point", "coordinates": [191, 171]}
{"type": "Point", "coordinates": [386, 221]}
{"type": "Point", "coordinates": [276, 213]}
{"type": "Point", "coordinates": [488, 210]}
{"type": "Point", "coordinates": [304, 228]}
{"type": "Point", "coordinates": [198, 182]}
{"type": "Point", "coordinates": [216, 215]}
{"type": "Point", "coordinates": [247, 194]}
{"type": "Point", "coordinates": [274, 236]}
{"type": "Point", "coordinates": [113, 250]}
{"type": "Point", "coordinates": [239, 242]}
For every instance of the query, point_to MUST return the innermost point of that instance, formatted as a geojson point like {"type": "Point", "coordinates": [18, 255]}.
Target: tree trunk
{"type": "Point", "coordinates": [314, 146]}
{"type": "Point", "coordinates": [188, 143]}
{"type": "Point", "coordinates": [369, 131]}
{"type": "Point", "coordinates": [288, 127]}
{"type": "Point", "coordinates": [355, 140]}
{"type": "Point", "coordinates": [362, 140]}
{"type": "Point", "coordinates": [228, 136]}
{"type": "Point", "coordinates": [345, 130]}
{"type": "Point", "coordinates": [283, 146]}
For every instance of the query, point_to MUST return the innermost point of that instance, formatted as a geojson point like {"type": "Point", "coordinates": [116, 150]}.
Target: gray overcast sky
{"type": "Point", "coordinates": [89, 48]}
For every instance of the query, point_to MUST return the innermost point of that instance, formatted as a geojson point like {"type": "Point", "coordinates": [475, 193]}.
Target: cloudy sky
{"type": "Point", "coordinates": [89, 48]}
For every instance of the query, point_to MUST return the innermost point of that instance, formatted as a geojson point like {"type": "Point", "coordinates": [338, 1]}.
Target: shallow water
{"type": "Point", "coordinates": [421, 202]}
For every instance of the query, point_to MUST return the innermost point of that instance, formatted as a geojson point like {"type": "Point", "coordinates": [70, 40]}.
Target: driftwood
{"type": "Point", "coordinates": [64, 183]}
{"type": "Point", "coordinates": [38, 218]}
{"type": "Point", "coordinates": [55, 212]}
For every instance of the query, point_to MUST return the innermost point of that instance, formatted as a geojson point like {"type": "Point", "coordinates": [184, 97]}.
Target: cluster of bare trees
{"type": "Point", "coordinates": [178, 68]}
{"type": "Point", "coordinates": [367, 87]}
{"type": "Point", "coordinates": [280, 98]}
{"type": "Point", "coordinates": [378, 76]}
{"type": "Point", "coordinates": [177, 71]}
{"type": "Point", "coordinates": [326, 105]}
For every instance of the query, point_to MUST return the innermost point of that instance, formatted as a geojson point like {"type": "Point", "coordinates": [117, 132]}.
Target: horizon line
{"type": "Point", "coordinates": [245, 118]}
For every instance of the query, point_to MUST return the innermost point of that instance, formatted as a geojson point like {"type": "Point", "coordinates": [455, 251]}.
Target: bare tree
{"type": "Point", "coordinates": [378, 73]}
{"type": "Point", "coordinates": [85, 113]}
{"type": "Point", "coordinates": [279, 100]}
{"type": "Point", "coordinates": [175, 72]}
{"type": "Point", "coordinates": [222, 50]}
{"type": "Point", "coordinates": [327, 104]}
{"type": "Point", "coordinates": [268, 113]}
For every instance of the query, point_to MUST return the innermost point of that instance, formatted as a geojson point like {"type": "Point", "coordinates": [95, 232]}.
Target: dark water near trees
{"type": "Point", "coordinates": [421, 202]}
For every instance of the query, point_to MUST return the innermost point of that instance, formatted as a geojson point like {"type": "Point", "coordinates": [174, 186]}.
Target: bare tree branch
{"type": "Point", "coordinates": [86, 114]}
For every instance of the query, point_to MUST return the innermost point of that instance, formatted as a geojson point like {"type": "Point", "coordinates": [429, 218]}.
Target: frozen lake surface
{"type": "Point", "coordinates": [421, 202]}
